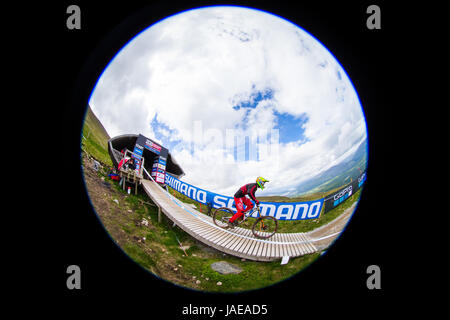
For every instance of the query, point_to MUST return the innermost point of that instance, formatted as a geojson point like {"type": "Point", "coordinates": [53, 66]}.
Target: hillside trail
{"type": "Point", "coordinates": [98, 191]}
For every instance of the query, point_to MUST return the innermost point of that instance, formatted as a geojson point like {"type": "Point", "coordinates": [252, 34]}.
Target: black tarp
{"type": "Point", "coordinates": [344, 193]}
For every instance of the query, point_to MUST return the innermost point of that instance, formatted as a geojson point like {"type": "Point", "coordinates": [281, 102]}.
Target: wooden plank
{"type": "Point", "coordinates": [247, 246]}
{"type": "Point", "coordinates": [289, 249]}
{"type": "Point", "coordinates": [247, 233]}
{"type": "Point", "coordinates": [261, 247]}
{"type": "Point", "coordinates": [282, 247]}
{"type": "Point", "coordinates": [219, 236]}
{"type": "Point", "coordinates": [234, 242]}
{"type": "Point", "coordinates": [234, 239]}
{"type": "Point", "coordinates": [200, 228]}
{"type": "Point", "coordinates": [254, 250]}
{"type": "Point", "coordinates": [207, 230]}
{"type": "Point", "coordinates": [300, 246]}
{"type": "Point", "coordinates": [257, 247]}
{"type": "Point", "coordinates": [191, 222]}
{"type": "Point", "coordinates": [204, 231]}
{"type": "Point", "coordinates": [264, 249]}
{"type": "Point", "coordinates": [243, 248]}
{"type": "Point", "coordinates": [269, 251]}
{"type": "Point", "coordinates": [273, 252]}
{"type": "Point", "coordinates": [216, 235]}
{"type": "Point", "coordinates": [222, 240]}
{"type": "Point", "coordinates": [250, 251]}
{"type": "Point", "coordinates": [306, 245]}
{"type": "Point", "coordinates": [310, 244]}
{"type": "Point", "coordinates": [276, 249]}
{"type": "Point", "coordinates": [240, 246]}
{"type": "Point", "coordinates": [237, 244]}
{"type": "Point", "coordinates": [284, 251]}
{"type": "Point", "coordinates": [227, 239]}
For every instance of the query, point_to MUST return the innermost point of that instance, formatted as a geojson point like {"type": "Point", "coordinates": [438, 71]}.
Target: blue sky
{"type": "Point", "coordinates": [163, 132]}
{"type": "Point", "coordinates": [292, 128]}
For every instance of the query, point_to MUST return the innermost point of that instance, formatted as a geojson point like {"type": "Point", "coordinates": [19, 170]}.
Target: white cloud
{"type": "Point", "coordinates": [197, 65]}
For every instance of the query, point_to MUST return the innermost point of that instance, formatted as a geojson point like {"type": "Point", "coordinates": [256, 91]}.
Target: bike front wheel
{"type": "Point", "coordinates": [221, 216]}
{"type": "Point", "coordinates": [265, 227]}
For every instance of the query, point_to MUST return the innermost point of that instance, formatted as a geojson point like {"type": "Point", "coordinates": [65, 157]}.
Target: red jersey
{"type": "Point", "coordinates": [248, 189]}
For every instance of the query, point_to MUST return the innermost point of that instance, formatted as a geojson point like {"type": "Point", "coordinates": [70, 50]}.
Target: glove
{"type": "Point", "coordinates": [257, 203]}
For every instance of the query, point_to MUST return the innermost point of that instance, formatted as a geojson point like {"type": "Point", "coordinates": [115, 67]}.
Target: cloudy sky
{"type": "Point", "coordinates": [233, 93]}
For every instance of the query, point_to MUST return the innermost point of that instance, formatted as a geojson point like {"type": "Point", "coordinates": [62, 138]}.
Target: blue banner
{"type": "Point", "coordinates": [280, 210]}
{"type": "Point", "coordinates": [343, 194]}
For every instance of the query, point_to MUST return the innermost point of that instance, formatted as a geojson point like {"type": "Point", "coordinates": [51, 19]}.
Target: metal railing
{"type": "Point", "coordinates": [136, 157]}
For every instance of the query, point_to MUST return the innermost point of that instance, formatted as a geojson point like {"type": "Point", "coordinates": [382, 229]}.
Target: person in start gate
{"type": "Point", "coordinates": [127, 163]}
{"type": "Point", "coordinates": [240, 199]}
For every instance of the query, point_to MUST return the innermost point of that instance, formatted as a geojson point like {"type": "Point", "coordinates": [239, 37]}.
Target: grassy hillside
{"type": "Point", "coordinates": [94, 140]}
{"type": "Point", "coordinates": [167, 251]}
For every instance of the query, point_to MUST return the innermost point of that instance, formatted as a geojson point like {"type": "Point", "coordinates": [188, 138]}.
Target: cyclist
{"type": "Point", "coordinates": [240, 198]}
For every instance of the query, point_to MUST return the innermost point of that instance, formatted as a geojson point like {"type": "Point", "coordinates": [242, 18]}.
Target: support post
{"type": "Point", "coordinates": [159, 214]}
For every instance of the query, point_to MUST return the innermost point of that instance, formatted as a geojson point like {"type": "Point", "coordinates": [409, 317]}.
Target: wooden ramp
{"type": "Point", "coordinates": [238, 241]}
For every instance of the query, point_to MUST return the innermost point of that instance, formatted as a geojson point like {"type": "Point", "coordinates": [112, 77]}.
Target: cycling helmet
{"type": "Point", "coordinates": [260, 181]}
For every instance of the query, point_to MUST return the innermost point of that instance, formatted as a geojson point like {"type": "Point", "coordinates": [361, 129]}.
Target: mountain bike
{"type": "Point", "coordinates": [263, 228]}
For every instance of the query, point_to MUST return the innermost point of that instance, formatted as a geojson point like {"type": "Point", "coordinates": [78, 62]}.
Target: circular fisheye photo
{"type": "Point", "coordinates": [224, 149]}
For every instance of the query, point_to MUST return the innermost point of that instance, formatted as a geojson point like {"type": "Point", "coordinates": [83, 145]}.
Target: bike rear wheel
{"type": "Point", "coordinates": [221, 216]}
{"type": "Point", "coordinates": [265, 227]}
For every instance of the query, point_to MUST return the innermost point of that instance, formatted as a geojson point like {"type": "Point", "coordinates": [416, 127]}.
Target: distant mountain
{"type": "Point", "coordinates": [343, 173]}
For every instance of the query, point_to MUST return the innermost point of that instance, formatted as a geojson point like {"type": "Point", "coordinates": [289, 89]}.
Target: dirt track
{"type": "Point", "coordinates": [334, 226]}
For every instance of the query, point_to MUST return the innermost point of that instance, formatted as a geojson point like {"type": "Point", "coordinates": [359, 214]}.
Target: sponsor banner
{"type": "Point", "coordinates": [160, 175]}
{"type": "Point", "coordinates": [137, 155]}
{"type": "Point", "coordinates": [138, 150]}
{"type": "Point", "coordinates": [280, 210]}
{"type": "Point", "coordinates": [159, 162]}
{"type": "Point", "coordinates": [149, 144]}
{"type": "Point", "coordinates": [343, 194]}
{"type": "Point", "coordinates": [152, 146]}
{"type": "Point", "coordinates": [361, 180]}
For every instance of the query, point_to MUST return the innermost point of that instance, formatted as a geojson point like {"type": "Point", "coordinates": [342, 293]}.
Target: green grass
{"type": "Point", "coordinates": [254, 274]}
{"type": "Point", "coordinates": [160, 253]}
{"type": "Point", "coordinates": [198, 263]}
{"type": "Point", "coordinates": [135, 252]}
